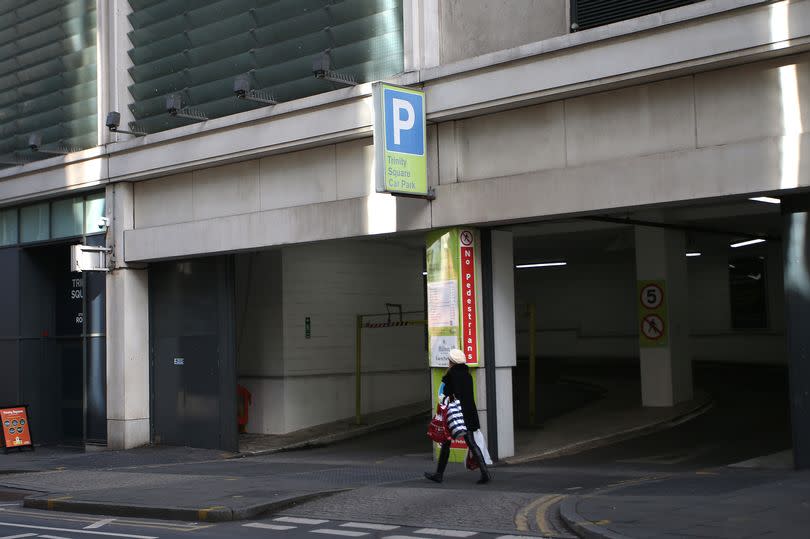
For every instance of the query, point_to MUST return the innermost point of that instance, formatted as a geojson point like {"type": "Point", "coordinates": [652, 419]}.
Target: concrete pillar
{"type": "Point", "coordinates": [500, 348]}
{"type": "Point", "coordinates": [666, 367]}
{"type": "Point", "coordinates": [114, 61]}
{"type": "Point", "coordinates": [796, 242]}
{"type": "Point", "coordinates": [127, 332]}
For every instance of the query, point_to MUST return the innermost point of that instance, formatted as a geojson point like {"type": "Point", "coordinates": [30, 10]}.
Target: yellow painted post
{"type": "Point", "coordinates": [357, 364]}
{"type": "Point", "coordinates": [532, 367]}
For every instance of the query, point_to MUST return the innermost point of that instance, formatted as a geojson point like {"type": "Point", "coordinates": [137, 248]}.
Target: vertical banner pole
{"type": "Point", "coordinates": [532, 366]}
{"type": "Point", "coordinates": [357, 365]}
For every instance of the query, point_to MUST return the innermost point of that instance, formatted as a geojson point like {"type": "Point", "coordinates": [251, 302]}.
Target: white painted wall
{"type": "Point", "coordinates": [332, 283]}
{"type": "Point", "coordinates": [259, 337]}
{"type": "Point", "coordinates": [298, 382]}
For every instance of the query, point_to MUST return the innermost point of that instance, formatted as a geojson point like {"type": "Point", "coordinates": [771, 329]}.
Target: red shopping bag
{"type": "Point", "coordinates": [471, 463]}
{"type": "Point", "coordinates": [437, 430]}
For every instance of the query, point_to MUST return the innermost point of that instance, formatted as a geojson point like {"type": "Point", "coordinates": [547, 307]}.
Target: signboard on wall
{"type": "Point", "coordinates": [453, 271]}
{"type": "Point", "coordinates": [400, 140]}
{"type": "Point", "coordinates": [16, 427]}
{"type": "Point", "coordinates": [652, 314]}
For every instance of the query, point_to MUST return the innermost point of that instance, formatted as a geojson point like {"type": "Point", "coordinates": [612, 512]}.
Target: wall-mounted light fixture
{"type": "Point", "coordinates": [242, 90]}
{"type": "Point", "coordinates": [322, 69]}
{"type": "Point", "coordinates": [693, 254]}
{"type": "Point", "coordinates": [114, 120]}
{"type": "Point", "coordinates": [175, 108]}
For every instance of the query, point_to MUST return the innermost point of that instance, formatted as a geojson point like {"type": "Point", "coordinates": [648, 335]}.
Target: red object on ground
{"type": "Point", "coordinates": [244, 400]}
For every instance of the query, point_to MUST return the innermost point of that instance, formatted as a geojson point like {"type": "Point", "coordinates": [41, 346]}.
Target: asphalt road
{"type": "Point", "coordinates": [749, 419]}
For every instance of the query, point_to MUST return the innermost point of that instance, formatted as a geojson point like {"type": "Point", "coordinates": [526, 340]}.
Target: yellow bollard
{"type": "Point", "coordinates": [532, 367]}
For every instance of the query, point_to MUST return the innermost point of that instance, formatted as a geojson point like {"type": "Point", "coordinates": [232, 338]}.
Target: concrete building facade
{"type": "Point", "coordinates": [616, 146]}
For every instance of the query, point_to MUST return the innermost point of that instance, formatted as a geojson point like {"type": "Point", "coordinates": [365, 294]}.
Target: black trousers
{"type": "Point", "coordinates": [444, 455]}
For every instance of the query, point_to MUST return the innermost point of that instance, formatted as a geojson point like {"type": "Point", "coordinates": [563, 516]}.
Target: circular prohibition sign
{"type": "Point", "coordinates": [652, 326]}
{"type": "Point", "coordinates": [466, 238]}
{"type": "Point", "coordinates": [652, 296]}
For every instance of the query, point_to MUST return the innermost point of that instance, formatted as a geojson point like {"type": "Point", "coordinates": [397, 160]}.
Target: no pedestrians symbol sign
{"type": "Point", "coordinates": [652, 313]}
{"type": "Point", "coordinates": [652, 327]}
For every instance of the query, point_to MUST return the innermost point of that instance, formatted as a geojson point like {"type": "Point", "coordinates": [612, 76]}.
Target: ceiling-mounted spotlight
{"type": "Point", "coordinates": [174, 106]}
{"type": "Point", "coordinates": [242, 90]}
{"type": "Point", "coordinates": [114, 120]}
{"type": "Point", "coordinates": [35, 143]}
{"type": "Point", "coordinates": [322, 69]}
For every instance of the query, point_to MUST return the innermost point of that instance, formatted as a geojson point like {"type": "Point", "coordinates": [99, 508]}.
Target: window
{"type": "Point", "coordinates": [591, 13]}
{"type": "Point", "coordinates": [8, 227]}
{"type": "Point", "coordinates": [35, 223]}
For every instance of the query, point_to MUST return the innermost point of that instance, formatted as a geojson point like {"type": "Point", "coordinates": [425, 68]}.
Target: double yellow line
{"type": "Point", "coordinates": [539, 508]}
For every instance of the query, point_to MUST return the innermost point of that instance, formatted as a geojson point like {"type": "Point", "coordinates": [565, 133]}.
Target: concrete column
{"type": "Point", "coordinates": [500, 357]}
{"type": "Point", "coordinates": [127, 332]}
{"type": "Point", "coordinates": [666, 368]}
{"type": "Point", "coordinates": [796, 242]}
{"type": "Point", "coordinates": [113, 63]}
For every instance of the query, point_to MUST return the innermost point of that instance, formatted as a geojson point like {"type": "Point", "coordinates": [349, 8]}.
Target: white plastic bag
{"type": "Point", "coordinates": [481, 442]}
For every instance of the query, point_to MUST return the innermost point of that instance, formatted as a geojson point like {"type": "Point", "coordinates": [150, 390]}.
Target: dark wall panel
{"type": "Point", "coordinates": [10, 369]}
{"type": "Point", "coordinates": [10, 298]}
{"type": "Point", "coordinates": [193, 372]}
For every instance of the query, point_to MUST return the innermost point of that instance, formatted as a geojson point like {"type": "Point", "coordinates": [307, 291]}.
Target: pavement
{"type": "Point", "coordinates": [719, 503]}
{"type": "Point", "coordinates": [377, 477]}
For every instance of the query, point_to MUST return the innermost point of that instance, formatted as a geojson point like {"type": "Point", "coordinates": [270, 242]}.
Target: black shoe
{"type": "Point", "coordinates": [485, 478]}
{"type": "Point", "coordinates": [437, 477]}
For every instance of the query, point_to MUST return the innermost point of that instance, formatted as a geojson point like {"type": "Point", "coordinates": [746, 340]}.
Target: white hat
{"type": "Point", "coordinates": [457, 357]}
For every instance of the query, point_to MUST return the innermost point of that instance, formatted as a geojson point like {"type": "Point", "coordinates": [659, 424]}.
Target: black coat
{"type": "Point", "coordinates": [459, 383]}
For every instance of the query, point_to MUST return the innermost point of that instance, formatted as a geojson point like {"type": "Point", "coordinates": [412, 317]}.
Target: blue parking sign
{"type": "Point", "coordinates": [404, 128]}
{"type": "Point", "coordinates": [399, 140]}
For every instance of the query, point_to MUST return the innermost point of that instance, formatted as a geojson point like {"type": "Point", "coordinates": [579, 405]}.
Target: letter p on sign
{"type": "Point", "coordinates": [401, 124]}
{"type": "Point", "coordinates": [404, 121]}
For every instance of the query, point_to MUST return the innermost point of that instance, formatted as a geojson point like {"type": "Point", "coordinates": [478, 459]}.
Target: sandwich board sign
{"type": "Point", "coordinates": [16, 428]}
{"type": "Point", "coordinates": [400, 140]}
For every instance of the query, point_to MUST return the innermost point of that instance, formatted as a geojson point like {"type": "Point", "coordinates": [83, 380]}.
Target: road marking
{"type": "Point", "coordinates": [369, 526]}
{"type": "Point", "coordinates": [541, 517]}
{"type": "Point", "coordinates": [181, 527]}
{"type": "Point", "coordinates": [83, 532]}
{"type": "Point", "coordinates": [8, 504]}
{"type": "Point", "coordinates": [19, 536]}
{"type": "Point", "coordinates": [53, 537]}
{"type": "Point", "coordinates": [262, 526]}
{"type": "Point", "coordinates": [202, 514]}
{"type": "Point", "coordinates": [295, 520]}
{"type": "Point", "coordinates": [445, 533]}
{"type": "Point", "coordinates": [522, 517]}
{"type": "Point", "coordinates": [573, 488]}
{"type": "Point", "coordinates": [345, 533]}
{"type": "Point", "coordinates": [52, 501]}
{"type": "Point", "coordinates": [99, 524]}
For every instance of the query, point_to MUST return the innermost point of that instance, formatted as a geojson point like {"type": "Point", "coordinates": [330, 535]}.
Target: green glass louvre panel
{"type": "Point", "coordinates": [197, 48]}
{"type": "Point", "coordinates": [47, 77]}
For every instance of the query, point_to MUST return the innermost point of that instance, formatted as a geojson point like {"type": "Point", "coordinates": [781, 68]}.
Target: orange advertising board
{"type": "Point", "coordinates": [16, 429]}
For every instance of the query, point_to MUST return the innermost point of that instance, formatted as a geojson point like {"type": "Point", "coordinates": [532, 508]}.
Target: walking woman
{"type": "Point", "coordinates": [459, 384]}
